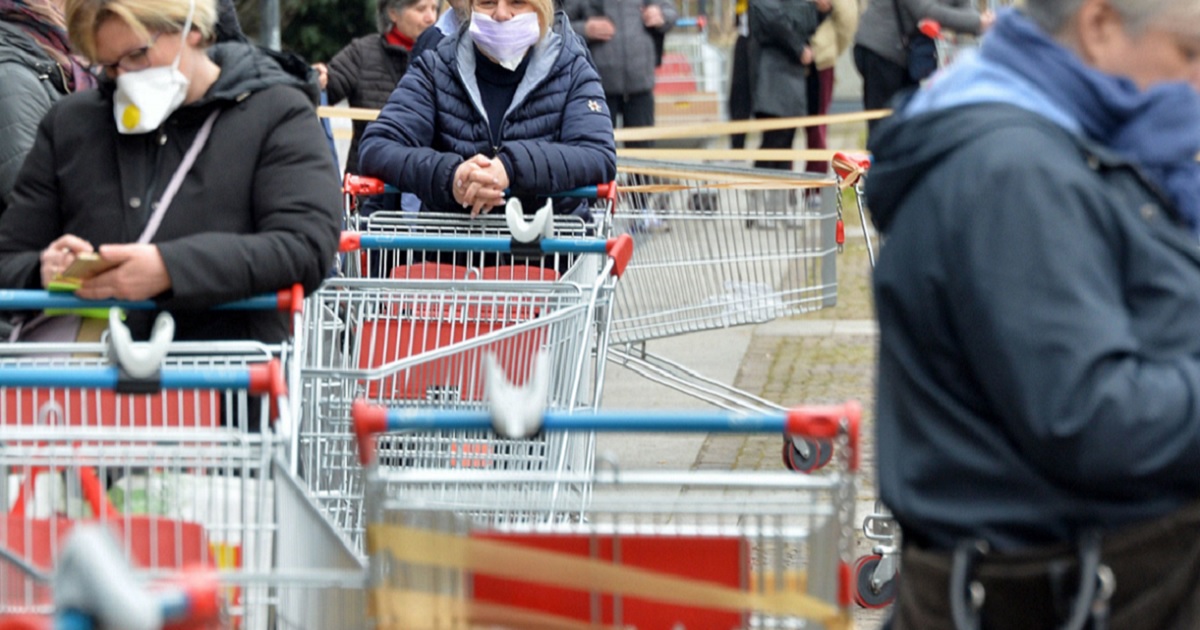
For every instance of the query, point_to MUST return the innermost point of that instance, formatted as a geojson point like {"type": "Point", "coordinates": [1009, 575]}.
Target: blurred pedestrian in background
{"type": "Point", "coordinates": [37, 68]}
{"type": "Point", "coordinates": [365, 72]}
{"type": "Point", "coordinates": [626, 39]}
{"type": "Point", "coordinates": [880, 51]}
{"type": "Point", "coordinates": [779, 55]}
{"type": "Point", "coordinates": [832, 38]}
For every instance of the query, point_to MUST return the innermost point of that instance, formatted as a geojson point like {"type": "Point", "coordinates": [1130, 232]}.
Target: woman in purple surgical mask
{"type": "Point", "coordinates": [199, 170]}
{"type": "Point", "coordinates": [509, 102]}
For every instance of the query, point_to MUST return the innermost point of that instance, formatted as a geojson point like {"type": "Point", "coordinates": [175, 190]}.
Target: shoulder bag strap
{"type": "Point", "coordinates": [177, 178]}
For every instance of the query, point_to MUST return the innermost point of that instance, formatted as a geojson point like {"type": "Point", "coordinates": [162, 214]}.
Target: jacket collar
{"type": "Point", "coordinates": [460, 56]}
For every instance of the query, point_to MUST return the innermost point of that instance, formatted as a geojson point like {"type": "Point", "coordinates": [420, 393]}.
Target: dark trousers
{"type": "Point", "coordinates": [739, 89]}
{"type": "Point", "coordinates": [882, 80]}
{"type": "Point", "coordinates": [820, 95]}
{"type": "Point", "coordinates": [775, 139]}
{"type": "Point", "coordinates": [1156, 566]}
{"type": "Point", "coordinates": [634, 110]}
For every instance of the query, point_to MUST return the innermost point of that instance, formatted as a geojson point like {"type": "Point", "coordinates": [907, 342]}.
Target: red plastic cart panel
{"type": "Point", "coordinates": [722, 561]}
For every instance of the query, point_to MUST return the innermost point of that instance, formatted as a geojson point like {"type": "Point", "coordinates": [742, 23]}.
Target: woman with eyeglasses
{"type": "Point", "coordinates": [37, 69]}
{"type": "Point", "coordinates": [510, 102]}
{"type": "Point", "coordinates": [198, 171]}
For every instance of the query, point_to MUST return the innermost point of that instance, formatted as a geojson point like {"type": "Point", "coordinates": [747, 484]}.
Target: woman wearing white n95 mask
{"type": "Point", "coordinates": [511, 101]}
{"type": "Point", "coordinates": [200, 170]}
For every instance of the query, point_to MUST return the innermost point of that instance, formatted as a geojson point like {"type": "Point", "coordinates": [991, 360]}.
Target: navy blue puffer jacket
{"type": "Point", "coordinates": [555, 136]}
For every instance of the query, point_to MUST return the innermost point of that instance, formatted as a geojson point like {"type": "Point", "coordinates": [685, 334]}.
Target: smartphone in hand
{"type": "Point", "coordinates": [83, 267]}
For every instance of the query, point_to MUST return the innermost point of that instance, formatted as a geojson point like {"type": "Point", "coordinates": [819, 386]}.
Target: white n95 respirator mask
{"type": "Point", "coordinates": [144, 99]}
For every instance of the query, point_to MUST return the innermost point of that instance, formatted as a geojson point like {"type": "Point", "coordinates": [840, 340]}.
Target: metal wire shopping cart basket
{"type": "Point", "coordinates": [420, 340]}
{"type": "Point", "coordinates": [653, 549]}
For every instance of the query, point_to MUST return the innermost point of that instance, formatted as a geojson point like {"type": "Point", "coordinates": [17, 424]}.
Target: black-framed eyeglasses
{"type": "Point", "coordinates": [134, 60]}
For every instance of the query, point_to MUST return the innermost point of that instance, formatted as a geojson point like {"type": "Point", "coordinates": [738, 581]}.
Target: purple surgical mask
{"type": "Point", "coordinates": [508, 41]}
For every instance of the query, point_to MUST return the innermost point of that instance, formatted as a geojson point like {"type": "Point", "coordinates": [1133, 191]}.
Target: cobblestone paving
{"type": "Point", "coordinates": [791, 370]}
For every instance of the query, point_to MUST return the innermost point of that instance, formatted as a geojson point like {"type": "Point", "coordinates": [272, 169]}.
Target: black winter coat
{"type": "Point", "coordinates": [364, 73]}
{"type": "Point", "coordinates": [779, 32]}
{"type": "Point", "coordinates": [557, 134]}
{"type": "Point", "coordinates": [258, 211]}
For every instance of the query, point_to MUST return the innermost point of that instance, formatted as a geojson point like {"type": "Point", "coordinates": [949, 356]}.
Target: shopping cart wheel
{"type": "Point", "coordinates": [819, 454]}
{"type": "Point", "coordinates": [866, 594]}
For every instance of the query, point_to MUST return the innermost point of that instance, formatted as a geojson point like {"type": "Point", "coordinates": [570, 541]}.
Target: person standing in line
{"type": "Point", "coordinates": [37, 68]}
{"type": "Point", "coordinates": [1038, 390]}
{"type": "Point", "coordinates": [508, 105]}
{"type": "Point", "coordinates": [452, 18]}
{"type": "Point", "coordinates": [832, 38]}
{"type": "Point", "coordinates": [625, 39]}
{"type": "Point", "coordinates": [879, 50]}
{"type": "Point", "coordinates": [367, 70]}
{"type": "Point", "coordinates": [198, 170]}
{"type": "Point", "coordinates": [780, 31]}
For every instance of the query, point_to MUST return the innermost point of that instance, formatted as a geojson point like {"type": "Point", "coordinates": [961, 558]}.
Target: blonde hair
{"type": "Point", "coordinates": [84, 17]}
{"type": "Point", "coordinates": [543, 8]}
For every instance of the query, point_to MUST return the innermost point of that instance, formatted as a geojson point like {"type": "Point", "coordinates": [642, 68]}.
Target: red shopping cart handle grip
{"type": "Point", "coordinates": [826, 421]}
{"type": "Point", "coordinates": [846, 164]}
{"type": "Point", "coordinates": [360, 185]}
{"type": "Point", "coordinates": [620, 249]}
{"type": "Point", "coordinates": [930, 28]}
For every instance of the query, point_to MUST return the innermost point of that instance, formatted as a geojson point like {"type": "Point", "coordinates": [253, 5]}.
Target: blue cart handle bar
{"type": "Point", "coordinates": [811, 421]}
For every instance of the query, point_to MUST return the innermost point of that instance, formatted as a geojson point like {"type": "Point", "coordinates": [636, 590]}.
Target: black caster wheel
{"type": "Point", "coordinates": [819, 454]}
{"type": "Point", "coordinates": [865, 595]}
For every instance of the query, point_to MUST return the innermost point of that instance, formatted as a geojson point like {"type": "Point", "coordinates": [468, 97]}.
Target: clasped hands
{"type": "Point", "coordinates": [139, 275]}
{"type": "Point", "coordinates": [479, 184]}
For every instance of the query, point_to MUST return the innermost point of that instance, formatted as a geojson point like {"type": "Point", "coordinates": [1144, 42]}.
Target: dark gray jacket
{"type": "Point", "coordinates": [626, 62]}
{"type": "Point", "coordinates": [32, 82]}
{"type": "Point", "coordinates": [779, 32]}
{"type": "Point", "coordinates": [1039, 364]}
{"type": "Point", "coordinates": [879, 31]}
{"type": "Point", "coordinates": [258, 211]}
{"type": "Point", "coordinates": [364, 73]}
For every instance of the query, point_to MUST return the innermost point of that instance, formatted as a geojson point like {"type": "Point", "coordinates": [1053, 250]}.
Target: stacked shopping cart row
{"type": "Point", "coordinates": [178, 449]}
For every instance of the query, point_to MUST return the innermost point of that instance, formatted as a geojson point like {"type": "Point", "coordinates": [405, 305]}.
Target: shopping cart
{"type": "Point", "coordinates": [875, 573]}
{"type": "Point", "coordinates": [420, 341]}
{"type": "Point", "coordinates": [718, 246]}
{"type": "Point", "coordinates": [691, 82]}
{"type": "Point", "coordinates": [168, 442]}
{"type": "Point", "coordinates": [653, 549]}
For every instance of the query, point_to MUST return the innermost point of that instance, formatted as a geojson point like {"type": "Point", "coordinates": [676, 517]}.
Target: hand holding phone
{"type": "Point", "coordinates": [85, 266]}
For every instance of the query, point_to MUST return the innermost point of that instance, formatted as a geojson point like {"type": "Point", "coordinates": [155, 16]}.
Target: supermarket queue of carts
{"type": "Point", "coordinates": [171, 459]}
{"type": "Point", "coordinates": [423, 303]}
{"type": "Point", "coordinates": [241, 458]}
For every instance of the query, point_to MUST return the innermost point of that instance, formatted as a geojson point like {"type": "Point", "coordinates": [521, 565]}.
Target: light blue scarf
{"type": "Point", "coordinates": [1157, 129]}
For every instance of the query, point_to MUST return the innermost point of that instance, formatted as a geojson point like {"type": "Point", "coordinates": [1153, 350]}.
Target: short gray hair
{"type": "Point", "coordinates": [381, 16]}
{"type": "Point", "coordinates": [1054, 15]}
